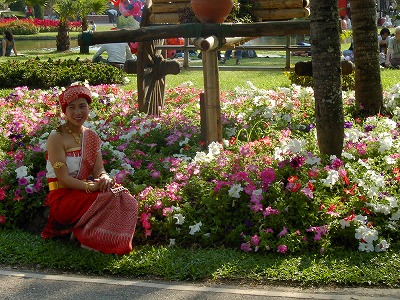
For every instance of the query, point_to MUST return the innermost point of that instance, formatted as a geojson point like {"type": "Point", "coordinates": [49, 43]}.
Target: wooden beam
{"type": "Point", "coordinates": [281, 4]}
{"type": "Point", "coordinates": [282, 14]}
{"type": "Point", "coordinates": [195, 30]}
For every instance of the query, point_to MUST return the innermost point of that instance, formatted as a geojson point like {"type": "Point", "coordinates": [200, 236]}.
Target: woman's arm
{"type": "Point", "coordinates": [57, 158]}
{"type": "Point", "coordinates": [3, 47]}
{"type": "Point", "coordinates": [101, 176]}
{"type": "Point", "coordinates": [15, 50]}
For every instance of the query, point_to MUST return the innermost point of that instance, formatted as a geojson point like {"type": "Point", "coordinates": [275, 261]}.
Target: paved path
{"type": "Point", "coordinates": [18, 285]}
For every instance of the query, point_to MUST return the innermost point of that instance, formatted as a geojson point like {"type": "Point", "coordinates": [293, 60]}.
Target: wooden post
{"type": "Point", "coordinates": [288, 52]}
{"type": "Point", "coordinates": [211, 96]}
{"type": "Point", "coordinates": [211, 106]}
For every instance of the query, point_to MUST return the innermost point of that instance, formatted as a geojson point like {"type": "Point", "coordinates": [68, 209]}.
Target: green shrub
{"type": "Point", "coordinates": [45, 74]}
{"type": "Point", "coordinates": [348, 81]}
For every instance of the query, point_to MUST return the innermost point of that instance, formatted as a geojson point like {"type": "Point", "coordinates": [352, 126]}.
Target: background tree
{"type": "Point", "coordinates": [368, 84]}
{"type": "Point", "coordinates": [84, 8]}
{"type": "Point", "coordinates": [325, 49]}
{"type": "Point", "coordinates": [65, 9]}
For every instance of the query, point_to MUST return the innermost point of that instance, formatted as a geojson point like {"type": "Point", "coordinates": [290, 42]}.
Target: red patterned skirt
{"type": "Point", "coordinates": [102, 221]}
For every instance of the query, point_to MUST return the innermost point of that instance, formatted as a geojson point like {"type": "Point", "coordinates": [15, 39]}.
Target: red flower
{"type": "Point", "coordinates": [2, 219]}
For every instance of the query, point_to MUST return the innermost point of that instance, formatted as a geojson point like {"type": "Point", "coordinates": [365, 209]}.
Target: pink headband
{"type": "Point", "coordinates": [72, 93]}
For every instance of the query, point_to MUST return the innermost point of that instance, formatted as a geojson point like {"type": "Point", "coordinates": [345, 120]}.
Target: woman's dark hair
{"type": "Point", "coordinates": [9, 35]}
{"type": "Point", "coordinates": [384, 30]}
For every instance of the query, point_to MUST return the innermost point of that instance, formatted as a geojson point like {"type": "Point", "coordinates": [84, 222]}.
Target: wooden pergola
{"type": "Point", "coordinates": [152, 66]}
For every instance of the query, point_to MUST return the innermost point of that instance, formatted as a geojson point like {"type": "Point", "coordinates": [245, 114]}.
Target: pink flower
{"type": "Point", "coordinates": [2, 219]}
{"type": "Point", "coordinates": [282, 249]}
{"type": "Point", "coordinates": [158, 204]}
{"type": "Point", "coordinates": [270, 211]}
{"type": "Point", "coordinates": [245, 247]}
{"type": "Point", "coordinates": [144, 219]}
{"type": "Point", "coordinates": [155, 174]}
{"type": "Point", "coordinates": [283, 232]}
{"type": "Point", "coordinates": [255, 240]}
{"type": "Point", "coordinates": [2, 194]}
{"type": "Point", "coordinates": [167, 211]}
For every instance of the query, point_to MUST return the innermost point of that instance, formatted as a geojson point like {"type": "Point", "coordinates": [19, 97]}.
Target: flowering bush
{"type": "Point", "coordinates": [33, 26]}
{"type": "Point", "coordinates": [265, 188]}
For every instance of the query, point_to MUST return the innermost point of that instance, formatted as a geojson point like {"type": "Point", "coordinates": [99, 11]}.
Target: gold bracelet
{"type": "Point", "coordinates": [58, 164]}
{"type": "Point", "coordinates": [87, 188]}
{"type": "Point", "coordinates": [102, 173]}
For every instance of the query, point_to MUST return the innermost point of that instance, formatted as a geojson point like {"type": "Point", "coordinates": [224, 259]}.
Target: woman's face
{"type": "Point", "coordinates": [77, 111]}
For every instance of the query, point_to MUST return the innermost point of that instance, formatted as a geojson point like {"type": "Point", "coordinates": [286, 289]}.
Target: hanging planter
{"type": "Point", "coordinates": [212, 11]}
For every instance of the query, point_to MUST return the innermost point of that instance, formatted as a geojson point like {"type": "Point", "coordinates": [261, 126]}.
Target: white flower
{"type": "Point", "coordinates": [184, 142]}
{"type": "Point", "coordinates": [366, 247]}
{"type": "Point", "coordinates": [202, 158]}
{"type": "Point", "coordinates": [344, 223]}
{"type": "Point", "coordinates": [389, 160]}
{"type": "Point", "coordinates": [392, 201]}
{"type": "Point", "coordinates": [295, 146]}
{"type": "Point", "coordinates": [385, 143]}
{"type": "Point", "coordinates": [367, 234]}
{"type": "Point", "coordinates": [235, 190]}
{"type": "Point", "coordinates": [331, 179]}
{"type": "Point", "coordinates": [21, 172]}
{"type": "Point", "coordinates": [287, 118]}
{"type": "Point", "coordinates": [195, 228]}
{"type": "Point", "coordinates": [395, 216]}
{"type": "Point", "coordinates": [171, 242]}
{"type": "Point", "coordinates": [214, 148]}
{"type": "Point", "coordinates": [347, 155]}
{"type": "Point", "coordinates": [175, 208]}
{"type": "Point", "coordinates": [180, 219]}
{"type": "Point", "coordinates": [382, 246]}
{"type": "Point", "coordinates": [313, 160]}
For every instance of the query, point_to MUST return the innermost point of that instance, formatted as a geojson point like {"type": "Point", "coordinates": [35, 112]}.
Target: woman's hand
{"type": "Point", "coordinates": [104, 183]}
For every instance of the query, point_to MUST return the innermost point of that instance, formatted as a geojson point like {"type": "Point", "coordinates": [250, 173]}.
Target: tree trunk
{"type": "Point", "coordinates": [368, 84]}
{"type": "Point", "coordinates": [63, 39]}
{"type": "Point", "coordinates": [325, 50]}
{"type": "Point", "coordinates": [84, 49]}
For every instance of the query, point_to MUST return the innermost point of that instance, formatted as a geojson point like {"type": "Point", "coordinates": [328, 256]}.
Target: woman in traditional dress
{"type": "Point", "coordinates": [99, 214]}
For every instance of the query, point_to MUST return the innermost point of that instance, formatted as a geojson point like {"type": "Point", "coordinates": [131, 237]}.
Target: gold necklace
{"type": "Point", "coordinates": [76, 137]}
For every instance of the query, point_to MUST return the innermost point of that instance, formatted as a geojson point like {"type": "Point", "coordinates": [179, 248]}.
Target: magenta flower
{"type": "Point", "coordinates": [30, 189]}
{"type": "Point", "coordinates": [22, 181]}
{"type": "Point", "coordinates": [267, 176]}
{"type": "Point", "coordinates": [282, 249]}
{"type": "Point", "coordinates": [255, 240]}
{"type": "Point", "coordinates": [2, 194]}
{"type": "Point", "coordinates": [245, 247]}
{"type": "Point", "coordinates": [283, 232]}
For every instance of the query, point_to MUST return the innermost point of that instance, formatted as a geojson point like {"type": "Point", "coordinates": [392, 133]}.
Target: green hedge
{"type": "Point", "coordinates": [45, 74]}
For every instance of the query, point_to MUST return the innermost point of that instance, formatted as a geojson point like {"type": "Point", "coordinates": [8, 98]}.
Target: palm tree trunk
{"type": "Point", "coordinates": [85, 26]}
{"type": "Point", "coordinates": [63, 39]}
{"type": "Point", "coordinates": [368, 84]}
{"type": "Point", "coordinates": [325, 51]}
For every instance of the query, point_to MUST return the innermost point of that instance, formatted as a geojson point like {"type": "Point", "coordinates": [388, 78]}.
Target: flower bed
{"type": "Point", "coordinates": [33, 26]}
{"type": "Point", "coordinates": [266, 188]}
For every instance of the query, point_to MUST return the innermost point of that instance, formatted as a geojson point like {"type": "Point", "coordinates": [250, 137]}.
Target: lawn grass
{"type": "Point", "coordinates": [25, 250]}
{"type": "Point", "coordinates": [341, 268]}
